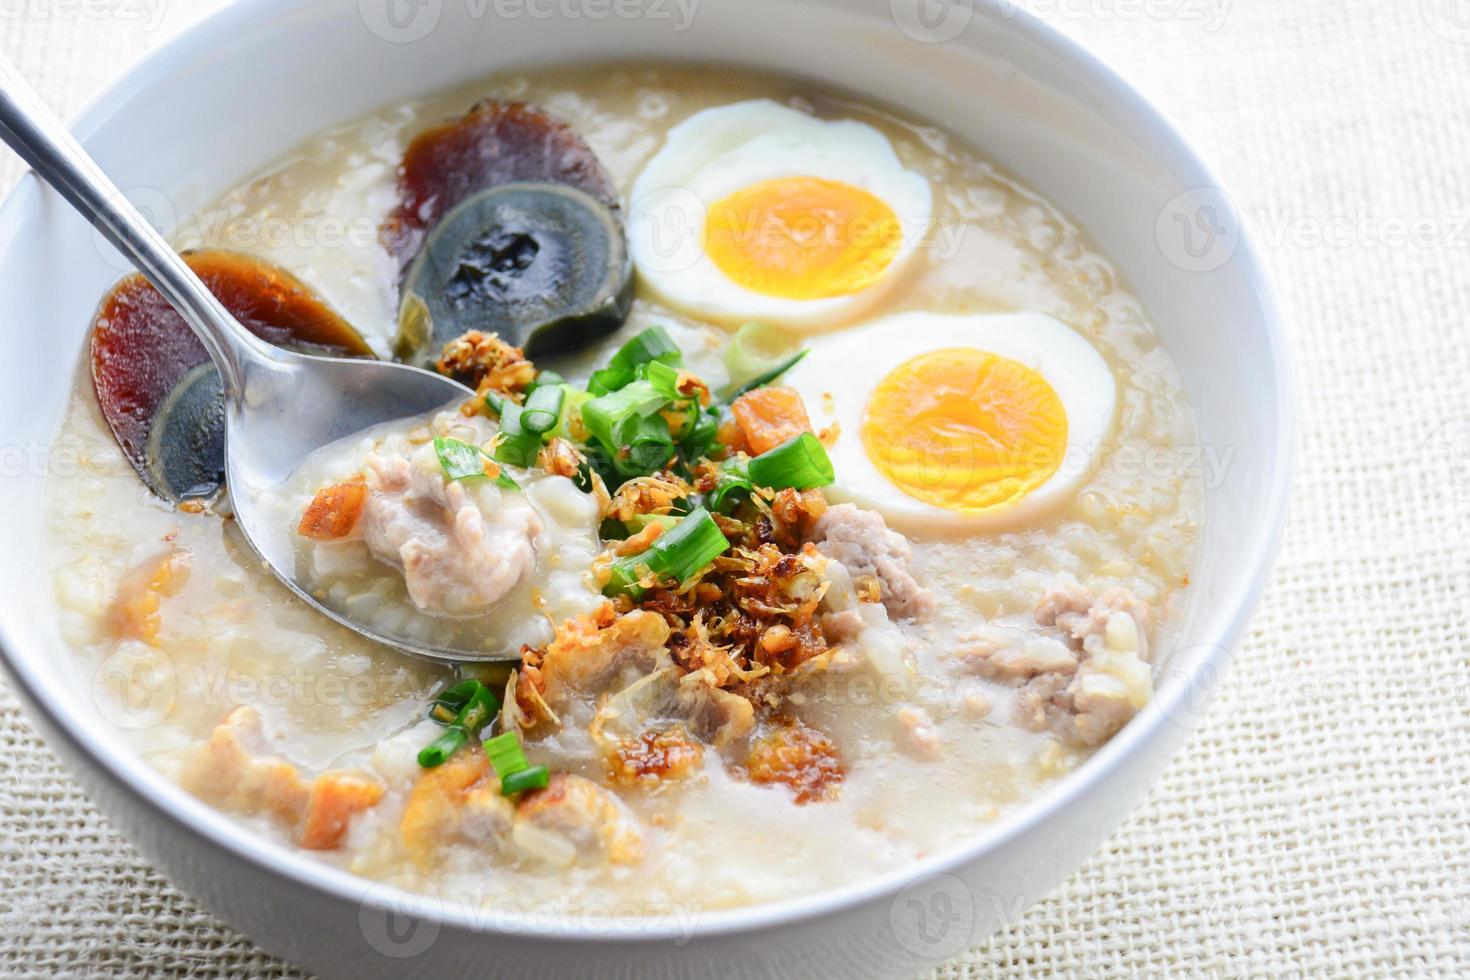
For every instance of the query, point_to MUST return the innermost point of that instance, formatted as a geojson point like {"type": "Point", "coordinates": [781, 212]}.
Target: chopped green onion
{"type": "Point", "coordinates": [457, 696]}
{"type": "Point", "coordinates": [733, 487]}
{"type": "Point", "coordinates": [506, 754]}
{"type": "Point", "coordinates": [478, 712]}
{"type": "Point", "coordinates": [678, 554]}
{"type": "Point", "coordinates": [547, 378]}
{"type": "Point", "coordinates": [756, 348]}
{"type": "Point", "coordinates": [647, 446]}
{"type": "Point", "coordinates": [515, 772]}
{"type": "Point", "coordinates": [652, 344]}
{"type": "Point", "coordinates": [439, 750]}
{"type": "Point", "coordinates": [638, 522]}
{"type": "Point", "coordinates": [571, 407]}
{"type": "Point", "coordinates": [518, 445]}
{"type": "Point", "coordinates": [464, 709]}
{"type": "Point", "coordinates": [534, 777]}
{"type": "Point", "coordinates": [800, 463]}
{"type": "Point", "coordinates": [765, 378]}
{"type": "Point", "coordinates": [663, 377]}
{"type": "Point", "coordinates": [542, 409]}
{"type": "Point", "coordinates": [459, 459]}
{"type": "Point", "coordinates": [701, 437]}
{"type": "Point", "coordinates": [462, 461]}
{"type": "Point", "coordinates": [629, 429]}
{"type": "Point", "coordinates": [607, 414]}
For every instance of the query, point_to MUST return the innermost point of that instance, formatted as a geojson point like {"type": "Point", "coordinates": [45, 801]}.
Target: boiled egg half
{"type": "Point", "coordinates": [758, 211]}
{"type": "Point", "coordinates": [958, 421]}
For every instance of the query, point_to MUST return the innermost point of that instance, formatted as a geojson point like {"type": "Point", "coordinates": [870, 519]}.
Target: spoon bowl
{"type": "Point", "coordinates": [280, 406]}
{"type": "Point", "coordinates": [294, 405]}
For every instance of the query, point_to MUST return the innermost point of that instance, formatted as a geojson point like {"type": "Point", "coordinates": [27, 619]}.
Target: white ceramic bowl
{"type": "Point", "coordinates": [238, 90]}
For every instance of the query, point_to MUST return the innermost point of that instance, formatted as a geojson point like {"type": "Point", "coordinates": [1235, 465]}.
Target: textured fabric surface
{"type": "Point", "coordinates": [1321, 821]}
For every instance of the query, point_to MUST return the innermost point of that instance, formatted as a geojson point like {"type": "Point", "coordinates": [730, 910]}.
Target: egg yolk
{"type": "Point", "coordinates": [965, 430]}
{"type": "Point", "coordinates": [802, 237]}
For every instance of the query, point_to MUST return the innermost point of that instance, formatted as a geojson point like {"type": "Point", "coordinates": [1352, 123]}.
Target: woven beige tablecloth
{"type": "Point", "coordinates": [1321, 821]}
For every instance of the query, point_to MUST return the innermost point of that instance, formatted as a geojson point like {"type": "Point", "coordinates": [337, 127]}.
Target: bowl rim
{"type": "Point", "coordinates": [206, 825]}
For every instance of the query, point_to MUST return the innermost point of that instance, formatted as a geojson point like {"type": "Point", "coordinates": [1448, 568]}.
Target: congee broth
{"type": "Point", "coordinates": [828, 490]}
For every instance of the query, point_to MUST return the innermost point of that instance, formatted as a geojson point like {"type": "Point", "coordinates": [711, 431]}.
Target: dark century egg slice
{"type": "Point", "coordinates": [506, 222]}
{"type": "Point", "coordinates": [155, 384]}
{"type": "Point", "coordinates": [494, 143]}
{"type": "Point", "coordinates": [542, 265]}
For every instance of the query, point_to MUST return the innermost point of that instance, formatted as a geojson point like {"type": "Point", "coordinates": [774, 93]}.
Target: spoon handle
{"type": "Point", "coordinates": [35, 133]}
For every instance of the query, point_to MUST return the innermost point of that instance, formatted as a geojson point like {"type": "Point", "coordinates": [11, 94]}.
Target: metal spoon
{"type": "Point", "coordinates": [279, 406]}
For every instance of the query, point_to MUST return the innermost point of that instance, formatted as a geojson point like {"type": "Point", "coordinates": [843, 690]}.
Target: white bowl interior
{"type": "Point", "coordinates": [238, 92]}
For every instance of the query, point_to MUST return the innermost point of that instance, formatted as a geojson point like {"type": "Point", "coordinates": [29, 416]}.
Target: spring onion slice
{"type": "Point", "coordinates": [756, 348]}
{"type": "Point", "coordinates": [765, 377]}
{"type": "Point", "coordinates": [647, 446]}
{"type": "Point", "coordinates": [701, 438]}
{"type": "Point", "coordinates": [532, 777]}
{"type": "Point", "coordinates": [463, 709]}
{"type": "Point", "coordinates": [663, 377]}
{"type": "Point", "coordinates": [638, 522]}
{"type": "Point", "coordinates": [457, 696]}
{"type": "Point", "coordinates": [479, 711]}
{"type": "Point", "coordinates": [607, 415]}
{"type": "Point", "coordinates": [518, 445]}
{"type": "Point", "coordinates": [571, 412]}
{"type": "Point", "coordinates": [652, 344]}
{"type": "Point", "coordinates": [733, 487]}
{"type": "Point", "coordinates": [799, 463]}
{"type": "Point", "coordinates": [542, 409]}
{"type": "Point", "coordinates": [677, 555]}
{"type": "Point", "coordinates": [437, 752]}
{"type": "Point", "coordinates": [627, 426]}
{"type": "Point", "coordinates": [462, 461]}
{"type": "Point", "coordinates": [547, 378]}
{"type": "Point", "coordinates": [506, 754]}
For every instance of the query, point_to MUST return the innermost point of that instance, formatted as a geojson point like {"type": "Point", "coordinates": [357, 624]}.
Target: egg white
{"type": "Point", "coordinates": [839, 376]}
{"type": "Point", "coordinates": [715, 153]}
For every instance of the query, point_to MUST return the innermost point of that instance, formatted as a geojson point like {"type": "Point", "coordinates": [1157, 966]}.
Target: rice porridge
{"type": "Point", "coordinates": [809, 527]}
